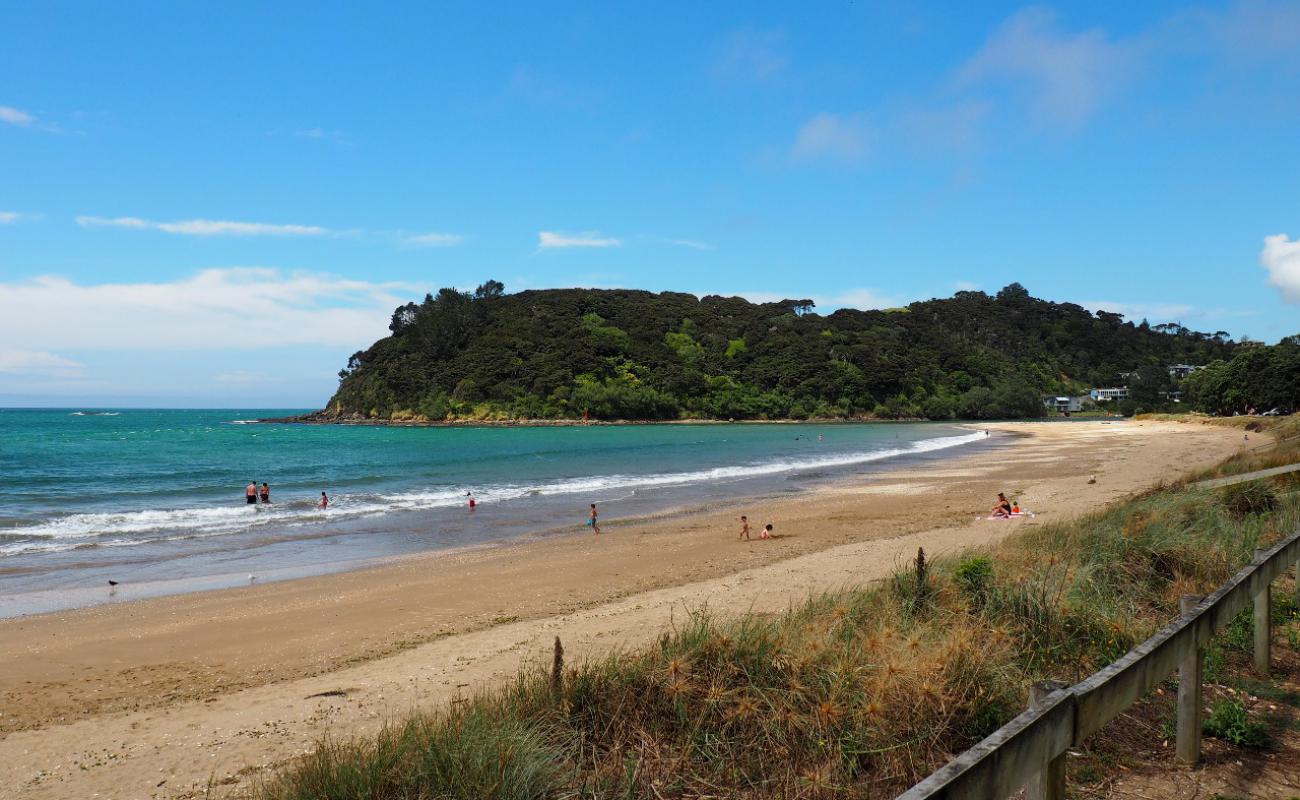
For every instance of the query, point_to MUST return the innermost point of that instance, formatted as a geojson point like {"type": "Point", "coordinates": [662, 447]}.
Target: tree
{"type": "Point", "coordinates": [490, 290]}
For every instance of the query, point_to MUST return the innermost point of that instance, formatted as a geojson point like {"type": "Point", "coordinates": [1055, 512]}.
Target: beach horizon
{"type": "Point", "coordinates": [210, 670]}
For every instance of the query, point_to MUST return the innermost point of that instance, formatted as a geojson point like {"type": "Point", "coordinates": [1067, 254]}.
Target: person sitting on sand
{"type": "Point", "coordinates": [266, 493]}
{"type": "Point", "coordinates": [1003, 508]}
{"type": "Point", "coordinates": [324, 502]}
{"type": "Point", "coordinates": [250, 492]}
{"type": "Point", "coordinates": [744, 528]}
{"type": "Point", "coordinates": [767, 532]}
{"type": "Point", "coordinates": [591, 520]}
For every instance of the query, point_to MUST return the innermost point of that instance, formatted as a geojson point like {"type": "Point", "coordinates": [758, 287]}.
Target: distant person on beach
{"type": "Point", "coordinates": [472, 501]}
{"type": "Point", "coordinates": [250, 493]}
{"type": "Point", "coordinates": [324, 502]}
{"type": "Point", "coordinates": [591, 520]}
{"type": "Point", "coordinates": [744, 528]}
{"type": "Point", "coordinates": [767, 532]}
{"type": "Point", "coordinates": [1003, 507]}
{"type": "Point", "coordinates": [266, 493]}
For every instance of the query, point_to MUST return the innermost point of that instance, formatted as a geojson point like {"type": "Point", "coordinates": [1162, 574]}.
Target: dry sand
{"type": "Point", "coordinates": [164, 697]}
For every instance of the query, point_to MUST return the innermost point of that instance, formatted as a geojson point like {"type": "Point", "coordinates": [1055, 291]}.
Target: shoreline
{"type": "Point", "coordinates": [201, 686]}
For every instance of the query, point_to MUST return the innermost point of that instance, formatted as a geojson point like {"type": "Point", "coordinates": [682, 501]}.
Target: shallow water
{"type": "Point", "coordinates": [154, 498]}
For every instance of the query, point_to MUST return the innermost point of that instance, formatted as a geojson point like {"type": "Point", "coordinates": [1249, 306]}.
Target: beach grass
{"type": "Point", "coordinates": [851, 694]}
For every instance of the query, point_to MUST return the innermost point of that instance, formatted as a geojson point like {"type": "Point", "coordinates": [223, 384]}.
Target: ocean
{"type": "Point", "coordinates": [154, 499]}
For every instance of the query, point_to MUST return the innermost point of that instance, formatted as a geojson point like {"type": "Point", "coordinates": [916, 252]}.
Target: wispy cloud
{"type": "Point", "coordinates": [37, 362]}
{"type": "Point", "coordinates": [203, 227]}
{"type": "Point", "coordinates": [1281, 258]}
{"type": "Point", "coordinates": [215, 309]}
{"type": "Point", "coordinates": [321, 133]}
{"type": "Point", "coordinates": [16, 116]}
{"type": "Point", "coordinates": [1065, 75]}
{"type": "Point", "coordinates": [9, 217]}
{"type": "Point", "coordinates": [966, 286]}
{"type": "Point", "coordinates": [832, 138]}
{"type": "Point", "coordinates": [750, 55]}
{"type": "Point", "coordinates": [552, 240]}
{"type": "Point", "coordinates": [433, 239]}
{"type": "Point", "coordinates": [693, 244]}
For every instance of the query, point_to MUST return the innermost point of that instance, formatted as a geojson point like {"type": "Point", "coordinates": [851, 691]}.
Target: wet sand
{"type": "Point", "coordinates": [158, 698]}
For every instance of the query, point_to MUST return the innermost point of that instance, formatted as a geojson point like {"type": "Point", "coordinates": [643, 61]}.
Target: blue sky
{"type": "Point", "coordinates": [215, 205]}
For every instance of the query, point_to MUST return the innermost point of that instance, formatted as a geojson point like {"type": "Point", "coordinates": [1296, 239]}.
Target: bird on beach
{"type": "Point", "coordinates": [252, 578]}
{"type": "Point", "coordinates": [112, 583]}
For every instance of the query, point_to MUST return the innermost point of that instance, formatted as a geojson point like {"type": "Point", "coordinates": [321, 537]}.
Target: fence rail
{"type": "Point", "coordinates": [1030, 749]}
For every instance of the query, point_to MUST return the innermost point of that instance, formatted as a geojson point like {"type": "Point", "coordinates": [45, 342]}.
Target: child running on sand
{"type": "Point", "coordinates": [744, 528]}
{"type": "Point", "coordinates": [591, 520]}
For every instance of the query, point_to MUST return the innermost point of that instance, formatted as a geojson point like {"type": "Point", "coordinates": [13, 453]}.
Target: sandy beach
{"type": "Point", "coordinates": [167, 696]}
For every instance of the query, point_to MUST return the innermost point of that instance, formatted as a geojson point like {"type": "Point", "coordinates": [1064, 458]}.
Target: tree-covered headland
{"type": "Point", "coordinates": [624, 354]}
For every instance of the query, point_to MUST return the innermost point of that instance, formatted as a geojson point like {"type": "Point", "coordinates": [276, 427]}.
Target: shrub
{"type": "Point", "coordinates": [1253, 497]}
{"type": "Point", "coordinates": [1230, 721]}
{"type": "Point", "coordinates": [974, 575]}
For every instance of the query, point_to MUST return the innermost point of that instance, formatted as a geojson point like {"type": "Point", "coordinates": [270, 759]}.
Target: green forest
{"type": "Point", "coordinates": [637, 355]}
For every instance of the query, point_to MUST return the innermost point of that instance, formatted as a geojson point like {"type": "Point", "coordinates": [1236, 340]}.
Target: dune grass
{"type": "Point", "coordinates": [853, 694]}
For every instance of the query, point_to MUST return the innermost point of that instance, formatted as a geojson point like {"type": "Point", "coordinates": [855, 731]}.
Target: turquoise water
{"type": "Point", "coordinates": [154, 498]}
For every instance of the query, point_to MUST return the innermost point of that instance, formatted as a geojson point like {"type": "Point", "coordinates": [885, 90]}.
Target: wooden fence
{"type": "Point", "coordinates": [1029, 751]}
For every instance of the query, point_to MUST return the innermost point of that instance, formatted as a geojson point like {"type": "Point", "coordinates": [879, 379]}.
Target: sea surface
{"type": "Point", "coordinates": [154, 499]}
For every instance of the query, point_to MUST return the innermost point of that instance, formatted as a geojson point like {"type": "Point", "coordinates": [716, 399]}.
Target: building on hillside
{"type": "Point", "coordinates": [1063, 404]}
{"type": "Point", "coordinates": [1179, 371]}
{"type": "Point", "coordinates": [1107, 395]}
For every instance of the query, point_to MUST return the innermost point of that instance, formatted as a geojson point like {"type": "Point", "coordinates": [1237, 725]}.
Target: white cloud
{"type": "Point", "coordinates": [750, 55]}
{"type": "Point", "coordinates": [551, 240]}
{"type": "Point", "coordinates": [693, 244]}
{"type": "Point", "coordinates": [15, 116]}
{"type": "Point", "coordinates": [434, 239]}
{"type": "Point", "coordinates": [1281, 257]}
{"type": "Point", "coordinates": [37, 362]}
{"type": "Point", "coordinates": [1065, 75]}
{"type": "Point", "coordinates": [9, 217]}
{"type": "Point", "coordinates": [214, 309]}
{"type": "Point", "coordinates": [203, 227]}
{"type": "Point", "coordinates": [832, 138]}
{"type": "Point", "coordinates": [966, 286]}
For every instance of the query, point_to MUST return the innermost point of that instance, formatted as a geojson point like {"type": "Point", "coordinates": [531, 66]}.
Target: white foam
{"type": "Point", "coordinates": [133, 527]}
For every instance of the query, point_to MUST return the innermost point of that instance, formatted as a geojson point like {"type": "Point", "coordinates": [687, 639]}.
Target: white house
{"type": "Point", "coordinates": [1064, 404]}
{"type": "Point", "coordinates": [1107, 395]}
{"type": "Point", "coordinates": [1179, 371]}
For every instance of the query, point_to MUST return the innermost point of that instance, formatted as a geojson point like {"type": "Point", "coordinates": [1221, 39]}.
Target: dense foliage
{"type": "Point", "coordinates": [622, 354]}
{"type": "Point", "coordinates": [1258, 378]}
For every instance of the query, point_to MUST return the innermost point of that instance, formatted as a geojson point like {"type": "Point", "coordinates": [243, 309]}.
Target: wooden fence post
{"type": "Point", "coordinates": [1050, 783]}
{"type": "Point", "coordinates": [1263, 623]}
{"type": "Point", "coordinates": [1190, 674]}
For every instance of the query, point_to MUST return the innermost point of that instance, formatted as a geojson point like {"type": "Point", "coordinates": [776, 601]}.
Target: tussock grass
{"type": "Point", "coordinates": [853, 694]}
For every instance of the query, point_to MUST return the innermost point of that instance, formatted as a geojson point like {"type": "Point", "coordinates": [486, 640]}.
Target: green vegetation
{"type": "Point", "coordinates": [636, 355]}
{"type": "Point", "coordinates": [1230, 721]}
{"type": "Point", "coordinates": [854, 694]}
{"type": "Point", "coordinates": [1258, 378]}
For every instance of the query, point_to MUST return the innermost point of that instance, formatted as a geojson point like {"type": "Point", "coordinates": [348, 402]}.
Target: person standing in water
{"type": "Point", "coordinates": [591, 520]}
{"type": "Point", "coordinates": [472, 501]}
{"type": "Point", "coordinates": [266, 492]}
{"type": "Point", "coordinates": [744, 528]}
{"type": "Point", "coordinates": [250, 493]}
{"type": "Point", "coordinates": [324, 502]}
